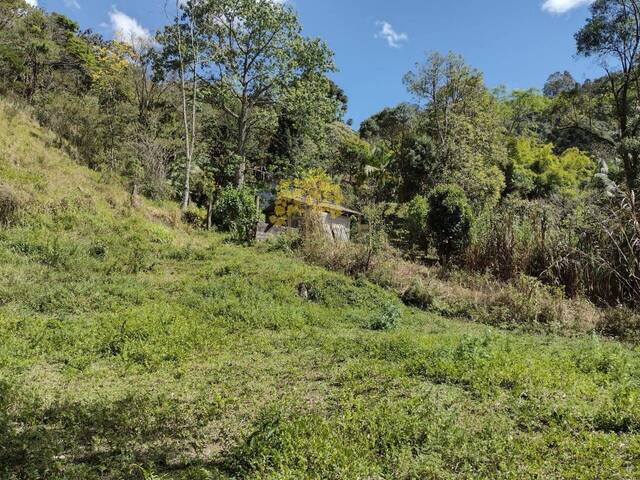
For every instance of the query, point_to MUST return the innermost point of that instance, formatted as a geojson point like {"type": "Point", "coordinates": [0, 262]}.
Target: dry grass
{"type": "Point", "coordinates": [522, 303]}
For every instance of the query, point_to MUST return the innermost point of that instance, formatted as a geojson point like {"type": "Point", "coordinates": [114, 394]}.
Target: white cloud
{"type": "Point", "coordinates": [393, 38]}
{"type": "Point", "coordinates": [33, 3]}
{"type": "Point", "coordinates": [72, 4]}
{"type": "Point", "coordinates": [127, 29]}
{"type": "Point", "coordinates": [562, 6]}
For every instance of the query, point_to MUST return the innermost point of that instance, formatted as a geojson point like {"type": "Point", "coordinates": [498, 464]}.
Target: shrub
{"type": "Point", "coordinates": [449, 220]}
{"type": "Point", "coordinates": [416, 214]}
{"type": "Point", "coordinates": [9, 206]}
{"type": "Point", "coordinates": [193, 216]}
{"type": "Point", "coordinates": [417, 295]}
{"type": "Point", "coordinates": [620, 322]}
{"type": "Point", "coordinates": [528, 303]}
{"type": "Point", "coordinates": [387, 319]}
{"type": "Point", "coordinates": [236, 212]}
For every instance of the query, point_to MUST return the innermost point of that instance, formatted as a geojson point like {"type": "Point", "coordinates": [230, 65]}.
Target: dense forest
{"type": "Point", "coordinates": [230, 98]}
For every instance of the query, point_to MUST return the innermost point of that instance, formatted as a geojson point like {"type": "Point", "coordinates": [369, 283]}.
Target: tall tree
{"type": "Point", "coordinates": [182, 55]}
{"type": "Point", "coordinates": [558, 83]}
{"type": "Point", "coordinates": [612, 34]}
{"type": "Point", "coordinates": [462, 118]}
{"type": "Point", "coordinates": [256, 54]}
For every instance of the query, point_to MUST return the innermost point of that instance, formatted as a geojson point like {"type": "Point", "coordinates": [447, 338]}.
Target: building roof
{"type": "Point", "coordinates": [269, 199]}
{"type": "Point", "coordinates": [340, 208]}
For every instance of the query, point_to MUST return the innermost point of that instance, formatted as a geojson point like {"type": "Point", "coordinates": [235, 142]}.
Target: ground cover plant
{"type": "Point", "coordinates": [132, 346]}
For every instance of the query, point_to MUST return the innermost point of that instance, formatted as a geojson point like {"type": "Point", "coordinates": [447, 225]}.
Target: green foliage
{"type": "Point", "coordinates": [259, 65]}
{"type": "Point", "coordinates": [524, 112]}
{"type": "Point", "coordinates": [235, 211]}
{"type": "Point", "coordinates": [415, 218]}
{"type": "Point", "coordinates": [559, 83]}
{"type": "Point", "coordinates": [612, 34]}
{"type": "Point", "coordinates": [536, 171]}
{"type": "Point", "coordinates": [464, 122]}
{"type": "Point", "coordinates": [585, 244]}
{"type": "Point", "coordinates": [132, 349]}
{"type": "Point", "coordinates": [387, 319]}
{"type": "Point", "coordinates": [449, 220]}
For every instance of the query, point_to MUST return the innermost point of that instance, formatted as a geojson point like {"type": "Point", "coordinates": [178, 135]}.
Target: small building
{"type": "Point", "coordinates": [337, 224]}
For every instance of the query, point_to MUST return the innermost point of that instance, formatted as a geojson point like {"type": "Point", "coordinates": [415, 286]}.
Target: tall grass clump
{"type": "Point", "coordinates": [587, 246]}
{"type": "Point", "coordinates": [10, 204]}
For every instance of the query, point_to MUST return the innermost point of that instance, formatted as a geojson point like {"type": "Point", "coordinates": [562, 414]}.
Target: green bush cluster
{"type": "Point", "coordinates": [449, 220]}
{"type": "Point", "coordinates": [235, 211]}
{"type": "Point", "coordinates": [415, 219]}
{"type": "Point", "coordinates": [387, 319]}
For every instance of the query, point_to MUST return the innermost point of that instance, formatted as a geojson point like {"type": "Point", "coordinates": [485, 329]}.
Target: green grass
{"type": "Point", "coordinates": [130, 348]}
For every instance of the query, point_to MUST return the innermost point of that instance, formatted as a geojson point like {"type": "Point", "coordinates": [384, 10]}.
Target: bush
{"type": "Point", "coordinates": [236, 212]}
{"type": "Point", "coordinates": [417, 211]}
{"type": "Point", "coordinates": [449, 220]}
{"type": "Point", "coordinates": [193, 216]}
{"type": "Point", "coordinates": [620, 322]}
{"type": "Point", "coordinates": [526, 302]}
{"type": "Point", "coordinates": [387, 319]}
{"type": "Point", "coordinates": [9, 206]}
{"type": "Point", "coordinates": [417, 295]}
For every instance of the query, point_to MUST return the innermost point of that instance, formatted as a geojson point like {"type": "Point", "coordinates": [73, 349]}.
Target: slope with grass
{"type": "Point", "coordinates": [132, 347]}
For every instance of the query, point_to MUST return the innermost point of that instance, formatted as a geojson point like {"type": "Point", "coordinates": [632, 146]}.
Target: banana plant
{"type": "Point", "coordinates": [377, 165]}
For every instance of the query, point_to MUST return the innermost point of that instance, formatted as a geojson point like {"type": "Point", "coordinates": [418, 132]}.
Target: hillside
{"type": "Point", "coordinates": [134, 347]}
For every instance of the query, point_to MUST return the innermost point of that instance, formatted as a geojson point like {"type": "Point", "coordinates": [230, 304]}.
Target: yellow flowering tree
{"type": "Point", "coordinates": [112, 63]}
{"type": "Point", "coordinates": [111, 83]}
{"type": "Point", "coordinates": [315, 192]}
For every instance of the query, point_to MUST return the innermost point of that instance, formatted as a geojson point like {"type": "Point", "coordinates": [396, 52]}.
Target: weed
{"type": "Point", "coordinates": [387, 318]}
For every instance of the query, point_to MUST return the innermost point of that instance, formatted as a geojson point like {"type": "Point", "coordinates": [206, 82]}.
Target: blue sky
{"type": "Point", "coordinates": [516, 43]}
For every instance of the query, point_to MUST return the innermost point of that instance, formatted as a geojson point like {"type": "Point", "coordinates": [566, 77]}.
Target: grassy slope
{"type": "Point", "coordinates": [133, 349]}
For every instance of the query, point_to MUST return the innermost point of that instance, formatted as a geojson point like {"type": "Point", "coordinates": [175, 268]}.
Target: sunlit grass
{"type": "Point", "coordinates": [133, 349]}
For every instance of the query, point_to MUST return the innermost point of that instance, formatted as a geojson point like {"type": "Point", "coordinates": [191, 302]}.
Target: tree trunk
{"type": "Point", "coordinates": [210, 212]}
{"type": "Point", "coordinates": [241, 170]}
{"type": "Point", "coordinates": [186, 195]}
{"type": "Point", "coordinates": [243, 120]}
{"type": "Point", "coordinates": [189, 129]}
{"type": "Point", "coordinates": [135, 196]}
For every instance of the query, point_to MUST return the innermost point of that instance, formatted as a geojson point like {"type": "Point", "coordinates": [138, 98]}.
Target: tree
{"type": "Point", "coordinates": [255, 54]}
{"type": "Point", "coordinates": [558, 83]}
{"type": "Point", "coordinates": [612, 34]}
{"type": "Point", "coordinates": [112, 86]}
{"type": "Point", "coordinates": [391, 124]}
{"type": "Point", "coordinates": [463, 120]}
{"type": "Point", "coordinates": [417, 211]}
{"type": "Point", "coordinates": [582, 118]}
{"type": "Point", "coordinates": [536, 171]}
{"type": "Point", "coordinates": [308, 108]}
{"type": "Point", "coordinates": [236, 212]}
{"type": "Point", "coordinates": [40, 52]}
{"type": "Point", "coordinates": [182, 52]}
{"type": "Point", "coordinates": [313, 193]}
{"type": "Point", "coordinates": [524, 112]}
{"type": "Point", "coordinates": [449, 220]}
